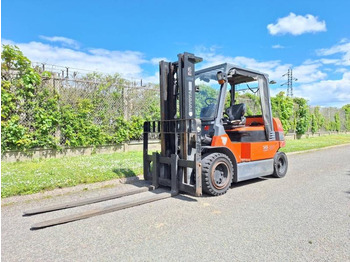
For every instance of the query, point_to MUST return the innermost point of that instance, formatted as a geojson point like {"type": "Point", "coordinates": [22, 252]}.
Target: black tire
{"type": "Point", "coordinates": [280, 165]}
{"type": "Point", "coordinates": [217, 174]}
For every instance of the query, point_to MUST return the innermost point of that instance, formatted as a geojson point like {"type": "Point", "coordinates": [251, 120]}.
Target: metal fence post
{"type": "Point", "coordinates": [125, 103]}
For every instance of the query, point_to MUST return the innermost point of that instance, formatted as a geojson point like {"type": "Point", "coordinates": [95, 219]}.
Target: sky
{"type": "Point", "coordinates": [131, 37]}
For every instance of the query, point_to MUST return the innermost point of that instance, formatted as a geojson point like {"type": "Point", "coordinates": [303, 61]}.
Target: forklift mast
{"type": "Point", "coordinates": [178, 164]}
{"type": "Point", "coordinates": [177, 96]}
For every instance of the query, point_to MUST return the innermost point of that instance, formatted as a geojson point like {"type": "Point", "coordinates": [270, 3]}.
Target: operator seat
{"type": "Point", "coordinates": [236, 114]}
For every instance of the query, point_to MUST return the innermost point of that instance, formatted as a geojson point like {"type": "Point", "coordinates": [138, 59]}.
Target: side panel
{"type": "Point", "coordinates": [259, 150]}
{"type": "Point", "coordinates": [252, 140]}
{"type": "Point", "coordinates": [249, 170]}
{"type": "Point", "coordinates": [247, 151]}
{"type": "Point", "coordinates": [254, 120]}
{"type": "Point", "coordinates": [277, 126]}
{"type": "Point", "coordinates": [224, 141]}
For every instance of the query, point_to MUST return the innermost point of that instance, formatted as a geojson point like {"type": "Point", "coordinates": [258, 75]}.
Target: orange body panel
{"type": "Point", "coordinates": [247, 128]}
{"type": "Point", "coordinates": [251, 151]}
{"type": "Point", "coordinates": [259, 150]}
{"type": "Point", "coordinates": [277, 126]}
{"type": "Point", "coordinates": [225, 141]}
{"type": "Point", "coordinates": [251, 120]}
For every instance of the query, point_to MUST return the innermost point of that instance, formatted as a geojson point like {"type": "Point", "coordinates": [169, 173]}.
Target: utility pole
{"type": "Point", "coordinates": [289, 83]}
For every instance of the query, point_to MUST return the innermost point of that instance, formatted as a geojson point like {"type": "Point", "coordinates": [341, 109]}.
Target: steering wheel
{"type": "Point", "coordinates": [209, 101]}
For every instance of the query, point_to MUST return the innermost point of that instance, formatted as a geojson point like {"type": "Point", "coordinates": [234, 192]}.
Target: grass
{"type": "Point", "coordinates": [28, 177]}
{"type": "Point", "coordinates": [315, 142]}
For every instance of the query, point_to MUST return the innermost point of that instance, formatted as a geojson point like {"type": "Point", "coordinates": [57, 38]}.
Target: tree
{"type": "Point", "coordinates": [282, 107]}
{"type": "Point", "coordinates": [302, 115]}
{"type": "Point", "coordinates": [314, 124]}
{"type": "Point", "coordinates": [319, 118]}
{"type": "Point", "coordinates": [337, 123]}
{"type": "Point", "coordinates": [346, 108]}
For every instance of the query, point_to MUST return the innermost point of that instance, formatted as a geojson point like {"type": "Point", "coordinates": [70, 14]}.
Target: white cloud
{"type": "Point", "coordinates": [326, 92]}
{"type": "Point", "coordinates": [306, 72]}
{"type": "Point", "coordinates": [211, 58]}
{"type": "Point", "coordinates": [329, 69]}
{"type": "Point", "coordinates": [341, 70]}
{"type": "Point", "coordinates": [344, 40]}
{"type": "Point", "coordinates": [154, 79]}
{"type": "Point", "coordinates": [156, 60]}
{"type": "Point", "coordinates": [342, 49]}
{"type": "Point", "coordinates": [60, 39]}
{"type": "Point", "coordinates": [278, 46]}
{"type": "Point", "coordinates": [297, 25]}
{"type": "Point", "coordinates": [329, 61]}
{"type": "Point", "coordinates": [312, 80]}
{"type": "Point", "coordinates": [127, 63]}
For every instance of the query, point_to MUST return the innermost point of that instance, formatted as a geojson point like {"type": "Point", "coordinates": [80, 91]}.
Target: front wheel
{"type": "Point", "coordinates": [217, 173]}
{"type": "Point", "coordinates": [280, 165]}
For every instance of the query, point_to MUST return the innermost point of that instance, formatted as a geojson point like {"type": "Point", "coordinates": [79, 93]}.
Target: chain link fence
{"type": "Point", "coordinates": [116, 99]}
{"type": "Point", "coordinates": [104, 104]}
{"type": "Point", "coordinates": [329, 115]}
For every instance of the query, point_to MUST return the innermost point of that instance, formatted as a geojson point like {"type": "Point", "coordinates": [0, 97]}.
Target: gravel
{"type": "Point", "coordinates": [304, 216]}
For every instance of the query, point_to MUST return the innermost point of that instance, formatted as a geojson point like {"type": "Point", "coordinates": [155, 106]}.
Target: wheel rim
{"type": "Point", "coordinates": [219, 175]}
{"type": "Point", "coordinates": [281, 165]}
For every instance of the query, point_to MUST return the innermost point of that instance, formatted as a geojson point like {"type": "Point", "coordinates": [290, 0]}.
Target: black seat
{"type": "Point", "coordinates": [236, 114]}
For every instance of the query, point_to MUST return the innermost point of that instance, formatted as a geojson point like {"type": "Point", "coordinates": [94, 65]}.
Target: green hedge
{"type": "Point", "coordinates": [51, 125]}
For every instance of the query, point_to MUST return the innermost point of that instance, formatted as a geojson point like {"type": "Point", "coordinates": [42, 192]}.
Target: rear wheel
{"type": "Point", "coordinates": [217, 173]}
{"type": "Point", "coordinates": [280, 165]}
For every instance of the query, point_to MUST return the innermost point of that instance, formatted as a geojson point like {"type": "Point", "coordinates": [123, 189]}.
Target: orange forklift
{"type": "Point", "coordinates": [207, 142]}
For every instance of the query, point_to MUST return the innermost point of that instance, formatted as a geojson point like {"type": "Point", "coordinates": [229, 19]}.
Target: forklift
{"type": "Point", "coordinates": [206, 146]}
{"type": "Point", "coordinates": [207, 141]}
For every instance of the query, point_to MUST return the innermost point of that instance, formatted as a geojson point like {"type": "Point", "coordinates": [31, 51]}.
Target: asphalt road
{"type": "Point", "coordinates": [302, 217]}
